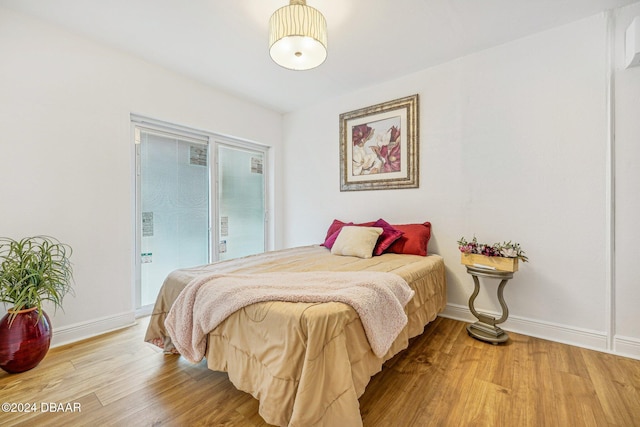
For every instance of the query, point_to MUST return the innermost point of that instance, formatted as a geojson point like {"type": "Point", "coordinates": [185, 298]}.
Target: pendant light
{"type": "Point", "coordinates": [298, 36]}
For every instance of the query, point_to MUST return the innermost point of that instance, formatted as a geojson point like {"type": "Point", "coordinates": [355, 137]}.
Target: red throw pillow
{"type": "Point", "coordinates": [414, 241]}
{"type": "Point", "coordinates": [388, 236]}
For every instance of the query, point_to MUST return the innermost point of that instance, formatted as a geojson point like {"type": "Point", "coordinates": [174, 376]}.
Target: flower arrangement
{"type": "Point", "coordinates": [504, 250]}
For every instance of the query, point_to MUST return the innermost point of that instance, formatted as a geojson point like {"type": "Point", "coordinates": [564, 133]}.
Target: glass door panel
{"type": "Point", "coordinates": [174, 208]}
{"type": "Point", "coordinates": [241, 202]}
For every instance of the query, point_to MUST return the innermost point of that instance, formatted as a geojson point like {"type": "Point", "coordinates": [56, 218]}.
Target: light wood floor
{"type": "Point", "coordinates": [444, 378]}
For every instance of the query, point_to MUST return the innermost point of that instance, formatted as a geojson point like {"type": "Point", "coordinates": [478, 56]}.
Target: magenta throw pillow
{"type": "Point", "coordinates": [388, 236]}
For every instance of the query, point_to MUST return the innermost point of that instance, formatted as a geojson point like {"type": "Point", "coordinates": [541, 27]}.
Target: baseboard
{"type": "Point", "coordinates": [83, 330]}
{"type": "Point", "coordinates": [627, 346]}
{"type": "Point", "coordinates": [594, 340]}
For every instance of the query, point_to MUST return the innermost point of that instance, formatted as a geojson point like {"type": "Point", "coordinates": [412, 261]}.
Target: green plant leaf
{"type": "Point", "coordinates": [33, 270]}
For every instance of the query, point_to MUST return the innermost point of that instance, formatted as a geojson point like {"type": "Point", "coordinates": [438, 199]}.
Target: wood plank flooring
{"type": "Point", "coordinates": [444, 378]}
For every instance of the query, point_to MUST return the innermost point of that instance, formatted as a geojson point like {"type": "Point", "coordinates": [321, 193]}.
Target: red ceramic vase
{"type": "Point", "coordinates": [25, 341]}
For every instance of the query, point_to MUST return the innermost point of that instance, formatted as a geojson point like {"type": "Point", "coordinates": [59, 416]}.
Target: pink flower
{"type": "Point", "coordinates": [361, 133]}
{"type": "Point", "coordinates": [467, 249]}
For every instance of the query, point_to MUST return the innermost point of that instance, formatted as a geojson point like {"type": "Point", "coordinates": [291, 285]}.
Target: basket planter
{"type": "Point", "coordinates": [493, 262]}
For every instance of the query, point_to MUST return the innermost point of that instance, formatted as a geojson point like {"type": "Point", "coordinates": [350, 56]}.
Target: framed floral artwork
{"type": "Point", "coordinates": [379, 146]}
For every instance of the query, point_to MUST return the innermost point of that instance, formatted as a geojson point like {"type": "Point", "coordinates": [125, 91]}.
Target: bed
{"type": "Point", "coordinates": [307, 363]}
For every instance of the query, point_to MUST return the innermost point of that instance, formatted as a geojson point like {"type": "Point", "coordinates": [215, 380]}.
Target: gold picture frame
{"type": "Point", "coordinates": [379, 146]}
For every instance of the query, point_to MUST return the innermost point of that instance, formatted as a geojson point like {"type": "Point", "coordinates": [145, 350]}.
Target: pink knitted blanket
{"type": "Point", "coordinates": [378, 298]}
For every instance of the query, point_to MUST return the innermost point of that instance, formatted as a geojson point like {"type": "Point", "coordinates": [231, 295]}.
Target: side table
{"type": "Point", "coordinates": [485, 328]}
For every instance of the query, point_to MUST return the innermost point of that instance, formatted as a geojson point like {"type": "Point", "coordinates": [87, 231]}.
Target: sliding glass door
{"type": "Point", "coordinates": [186, 181]}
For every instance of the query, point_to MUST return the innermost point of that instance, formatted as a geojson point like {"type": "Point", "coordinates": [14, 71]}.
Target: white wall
{"type": "Point", "coordinates": [627, 192]}
{"type": "Point", "coordinates": [66, 153]}
{"type": "Point", "coordinates": [513, 146]}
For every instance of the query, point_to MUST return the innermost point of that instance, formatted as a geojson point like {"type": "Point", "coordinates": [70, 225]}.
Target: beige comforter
{"type": "Point", "coordinates": [307, 363]}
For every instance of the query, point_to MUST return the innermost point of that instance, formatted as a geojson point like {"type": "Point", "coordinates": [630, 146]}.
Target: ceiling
{"type": "Point", "coordinates": [224, 43]}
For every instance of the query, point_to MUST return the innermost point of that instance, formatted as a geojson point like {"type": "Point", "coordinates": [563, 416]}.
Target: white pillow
{"type": "Point", "coordinates": [356, 241]}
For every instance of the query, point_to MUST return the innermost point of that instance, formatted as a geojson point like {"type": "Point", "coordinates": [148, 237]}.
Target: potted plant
{"type": "Point", "coordinates": [499, 256]}
{"type": "Point", "coordinates": [32, 270]}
